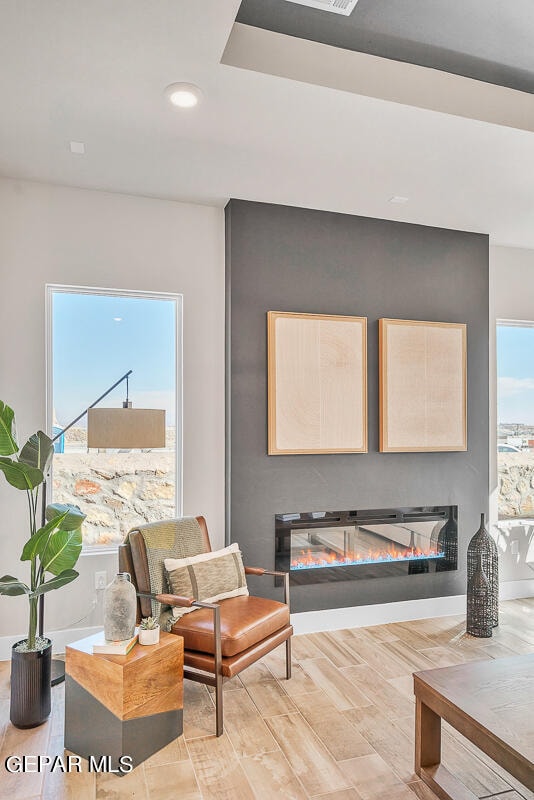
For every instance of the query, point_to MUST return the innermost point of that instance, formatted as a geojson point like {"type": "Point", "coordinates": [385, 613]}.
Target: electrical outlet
{"type": "Point", "coordinates": [101, 580]}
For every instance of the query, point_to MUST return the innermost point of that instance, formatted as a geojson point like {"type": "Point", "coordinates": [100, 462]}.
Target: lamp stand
{"type": "Point", "coordinates": [58, 666]}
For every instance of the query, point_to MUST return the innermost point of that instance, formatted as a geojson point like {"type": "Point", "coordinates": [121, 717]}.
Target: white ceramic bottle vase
{"type": "Point", "coordinates": [120, 603]}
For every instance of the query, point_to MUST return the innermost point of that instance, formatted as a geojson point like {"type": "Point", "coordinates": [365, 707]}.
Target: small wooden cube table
{"type": "Point", "coordinates": [491, 703]}
{"type": "Point", "coordinates": [123, 705]}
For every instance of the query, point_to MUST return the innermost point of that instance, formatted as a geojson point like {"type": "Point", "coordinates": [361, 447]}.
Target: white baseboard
{"type": "Point", "coordinates": [360, 616]}
{"type": "Point", "coordinates": [59, 640]}
{"type": "Point", "coordinates": [514, 590]}
{"type": "Point", "coordinates": [328, 619]}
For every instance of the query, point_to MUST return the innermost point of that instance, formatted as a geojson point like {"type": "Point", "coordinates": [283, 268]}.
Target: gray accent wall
{"type": "Point", "coordinates": [282, 258]}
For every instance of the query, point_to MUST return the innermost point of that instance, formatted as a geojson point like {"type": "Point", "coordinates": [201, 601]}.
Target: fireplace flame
{"type": "Point", "coordinates": [308, 560]}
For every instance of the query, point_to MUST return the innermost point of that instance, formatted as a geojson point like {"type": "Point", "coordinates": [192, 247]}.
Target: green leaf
{"type": "Point", "coordinates": [8, 442]}
{"type": "Point", "coordinates": [62, 551]}
{"type": "Point", "coordinates": [38, 452]}
{"type": "Point", "coordinates": [19, 475]}
{"type": "Point", "coordinates": [73, 519]}
{"type": "Point", "coordinates": [36, 544]}
{"type": "Point", "coordinates": [55, 583]}
{"type": "Point", "coordinates": [12, 586]}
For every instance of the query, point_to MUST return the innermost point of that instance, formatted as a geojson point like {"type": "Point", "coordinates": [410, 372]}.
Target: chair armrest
{"type": "Point", "coordinates": [254, 571]}
{"type": "Point", "coordinates": [170, 599]}
{"type": "Point", "coordinates": [187, 602]}
{"type": "Point", "coordinates": [276, 573]}
{"type": "Point", "coordinates": [262, 571]}
{"type": "Point", "coordinates": [177, 600]}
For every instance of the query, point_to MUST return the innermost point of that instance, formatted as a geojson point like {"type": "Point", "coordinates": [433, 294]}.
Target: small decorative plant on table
{"type": "Point", "coordinates": [52, 551]}
{"type": "Point", "coordinates": [149, 631]}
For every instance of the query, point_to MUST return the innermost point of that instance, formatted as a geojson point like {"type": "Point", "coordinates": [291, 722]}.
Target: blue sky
{"type": "Point", "coordinates": [97, 338]}
{"type": "Point", "coordinates": [515, 371]}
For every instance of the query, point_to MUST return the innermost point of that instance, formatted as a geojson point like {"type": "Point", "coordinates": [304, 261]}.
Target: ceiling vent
{"type": "Point", "coordinates": [337, 6]}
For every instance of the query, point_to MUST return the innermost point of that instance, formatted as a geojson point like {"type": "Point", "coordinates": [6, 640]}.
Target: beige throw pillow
{"type": "Point", "coordinates": [209, 576]}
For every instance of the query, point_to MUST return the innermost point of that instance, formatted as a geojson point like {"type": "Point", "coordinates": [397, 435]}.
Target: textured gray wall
{"type": "Point", "coordinates": [290, 259]}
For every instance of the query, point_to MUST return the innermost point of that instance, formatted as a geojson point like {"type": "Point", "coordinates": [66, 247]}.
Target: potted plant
{"type": "Point", "coordinates": [149, 631]}
{"type": "Point", "coordinates": [52, 551]}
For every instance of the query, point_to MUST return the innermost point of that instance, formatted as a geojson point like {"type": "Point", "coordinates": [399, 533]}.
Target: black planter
{"type": "Point", "coordinates": [30, 687]}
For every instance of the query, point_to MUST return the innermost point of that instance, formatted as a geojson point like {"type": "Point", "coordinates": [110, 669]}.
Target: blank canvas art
{"type": "Point", "coordinates": [317, 383]}
{"type": "Point", "coordinates": [423, 380]}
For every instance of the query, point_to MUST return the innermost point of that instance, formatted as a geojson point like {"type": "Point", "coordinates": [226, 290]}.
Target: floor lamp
{"type": "Point", "coordinates": [125, 428]}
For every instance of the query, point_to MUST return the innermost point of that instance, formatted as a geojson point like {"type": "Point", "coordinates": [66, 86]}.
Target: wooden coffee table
{"type": "Point", "coordinates": [491, 703]}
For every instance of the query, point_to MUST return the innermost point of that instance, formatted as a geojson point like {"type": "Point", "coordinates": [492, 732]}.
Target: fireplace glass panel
{"type": "Point", "coordinates": [315, 546]}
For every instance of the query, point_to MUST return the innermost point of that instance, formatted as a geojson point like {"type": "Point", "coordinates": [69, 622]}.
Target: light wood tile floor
{"type": "Point", "coordinates": [340, 729]}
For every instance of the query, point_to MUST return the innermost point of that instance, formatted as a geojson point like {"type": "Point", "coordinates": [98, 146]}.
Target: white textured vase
{"type": "Point", "coordinates": [149, 636]}
{"type": "Point", "coordinates": [120, 605]}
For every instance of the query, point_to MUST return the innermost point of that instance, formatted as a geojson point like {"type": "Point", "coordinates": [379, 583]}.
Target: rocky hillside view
{"type": "Point", "coordinates": [516, 484]}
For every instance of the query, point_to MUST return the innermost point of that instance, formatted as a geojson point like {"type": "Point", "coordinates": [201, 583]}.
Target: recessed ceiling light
{"type": "Point", "coordinates": [183, 95]}
{"type": "Point", "coordinates": [78, 148]}
{"type": "Point", "coordinates": [398, 199]}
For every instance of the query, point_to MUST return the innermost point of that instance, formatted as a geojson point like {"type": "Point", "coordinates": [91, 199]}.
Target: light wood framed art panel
{"type": "Point", "coordinates": [317, 383]}
{"type": "Point", "coordinates": [423, 386]}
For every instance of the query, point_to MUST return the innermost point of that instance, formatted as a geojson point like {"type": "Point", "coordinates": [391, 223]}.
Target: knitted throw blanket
{"type": "Point", "coordinates": [173, 538]}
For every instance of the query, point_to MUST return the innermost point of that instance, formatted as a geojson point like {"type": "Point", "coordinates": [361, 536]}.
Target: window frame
{"type": "Point", "coordinates": [50, 290]}
{"type": "Point", "coordinates": [503, 323]}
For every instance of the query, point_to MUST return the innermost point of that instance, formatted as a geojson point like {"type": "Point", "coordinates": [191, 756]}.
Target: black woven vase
{"type": "Point", "coordinates": [482, 556]}
{"type": "Point", "coordinates": [479, 619]}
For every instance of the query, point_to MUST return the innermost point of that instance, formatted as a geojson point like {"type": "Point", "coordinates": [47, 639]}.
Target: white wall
{"type": "Point", "coordinates": [511, 297]}
{"type": "Point", "coordinates": [50, 234]}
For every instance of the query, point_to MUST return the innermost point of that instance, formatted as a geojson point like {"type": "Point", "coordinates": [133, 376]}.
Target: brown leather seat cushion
{"type": "Point", "coordinates": [245, 621]}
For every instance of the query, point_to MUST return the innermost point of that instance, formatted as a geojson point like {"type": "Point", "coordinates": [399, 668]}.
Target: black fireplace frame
{"type": "Point", "coordinates": [287, 523]}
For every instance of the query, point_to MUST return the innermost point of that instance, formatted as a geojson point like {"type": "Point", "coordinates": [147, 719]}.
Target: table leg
{"type": "Point", "coordinates": [427, 737]}
{"type": "Point", "coordinates": [428, 756]}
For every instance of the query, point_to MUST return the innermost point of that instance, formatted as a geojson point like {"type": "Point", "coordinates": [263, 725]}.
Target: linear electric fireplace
{"type": "Point", "coordinates": [321, 546]}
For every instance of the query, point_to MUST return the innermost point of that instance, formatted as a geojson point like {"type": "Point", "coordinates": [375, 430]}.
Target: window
{"type": "Point", "coordinates": [515, 418]}
{"type": "Point", "coordinates": [95, 337]}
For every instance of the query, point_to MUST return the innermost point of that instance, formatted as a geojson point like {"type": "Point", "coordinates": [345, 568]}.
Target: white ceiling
{"type": "Point", "coordinates": [95, 72]}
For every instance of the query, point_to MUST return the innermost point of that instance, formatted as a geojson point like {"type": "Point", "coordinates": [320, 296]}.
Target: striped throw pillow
{"type": "Point", "coordinates": [209, 576]}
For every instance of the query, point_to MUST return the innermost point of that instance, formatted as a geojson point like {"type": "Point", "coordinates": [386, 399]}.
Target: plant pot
{"type": "Point", "coordinates": [149, 636]}
{"type": "Point", "coordinates": [30, 686]}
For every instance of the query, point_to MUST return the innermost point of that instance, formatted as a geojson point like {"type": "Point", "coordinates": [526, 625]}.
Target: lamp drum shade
{"type": "Point", "coordinates": [126, 428]}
